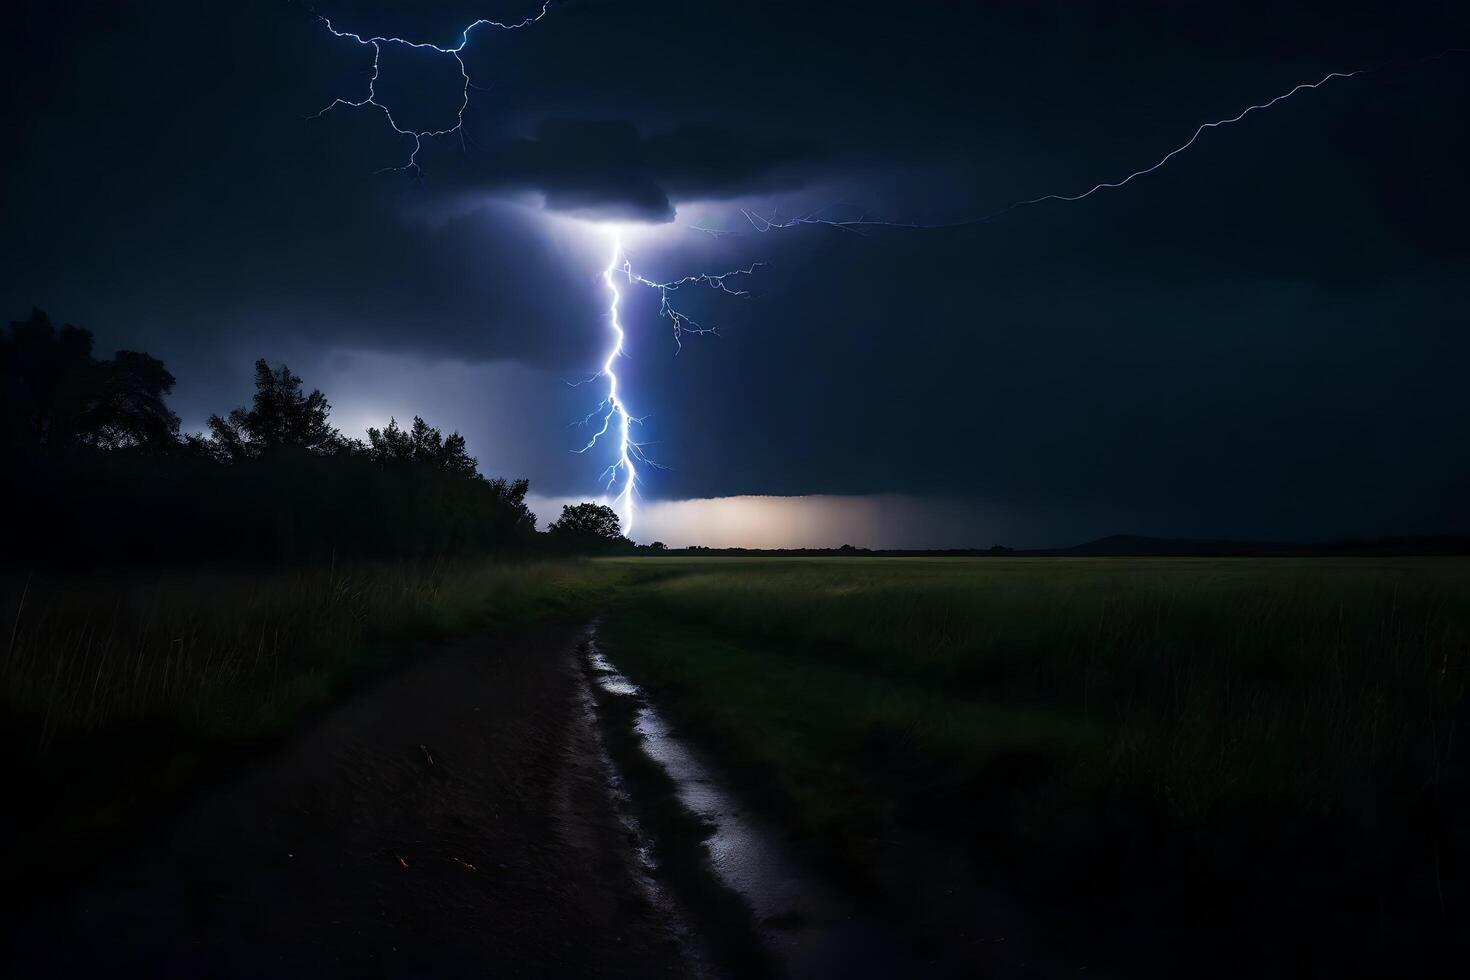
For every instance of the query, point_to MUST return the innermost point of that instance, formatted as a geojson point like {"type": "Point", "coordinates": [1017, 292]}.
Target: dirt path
{"type": "Point", "coordinates": [450, 820]}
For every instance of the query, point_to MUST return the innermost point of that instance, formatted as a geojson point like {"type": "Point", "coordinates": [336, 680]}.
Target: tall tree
{"type": "Point", "coordinates": [587, 527]}
{"type": "Point", "coordinates": [423, 444]}
{"type": "Point", "coordinates": [131, 410]}
{"type": "Point", "coordinates": [282, 414]}
{"type": "Point", "coordinates": [55, 395]}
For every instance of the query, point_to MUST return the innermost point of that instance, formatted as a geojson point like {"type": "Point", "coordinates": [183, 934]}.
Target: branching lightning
{"type": "Point", "coordinates": [616, 421]}
{"type": "Point", "coordinates": [682, 322]}
{"type": "Point", "coordinates": [456, 52]}
{"type": "Point", "coordinates": [616, 418]}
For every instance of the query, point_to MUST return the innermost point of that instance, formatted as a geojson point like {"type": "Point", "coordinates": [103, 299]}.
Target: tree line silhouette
{"type": "Point", "coordinates": [98, 472]}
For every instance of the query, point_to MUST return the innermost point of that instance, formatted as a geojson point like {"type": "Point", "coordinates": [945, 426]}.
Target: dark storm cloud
{"type": "Point", "coordinates": [173, 189]}
{"type": "Point", "coordinates": [1265, 337]}
{"type": "Point", "coordinates": [1228, 407]}
{"type": "Point", "coordinates": [609, 170]}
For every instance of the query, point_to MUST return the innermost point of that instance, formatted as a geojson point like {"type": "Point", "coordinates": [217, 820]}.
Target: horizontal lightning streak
{"type": "Point", "coordinates": [764, 223]}
{"type": "Point", "coordinates": [682, 322]}
{"type": "Point", "coordinates": [1110, 185]}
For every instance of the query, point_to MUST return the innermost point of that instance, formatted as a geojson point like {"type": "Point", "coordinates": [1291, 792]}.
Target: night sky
{"type": "Point", "coordinates": [1267, 338]}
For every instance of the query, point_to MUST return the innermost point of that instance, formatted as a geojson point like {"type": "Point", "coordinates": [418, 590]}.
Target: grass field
{"type": "Point", "coordinates": [239, 654]}
{"type": "Point", "coordinates": [1257, 734]}
{"type": "Point", "coordinates": [1285, 722]}
{"type": "Point", "coordinates": [121, 693]}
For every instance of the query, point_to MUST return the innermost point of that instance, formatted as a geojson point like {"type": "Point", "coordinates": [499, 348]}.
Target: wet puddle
{"type": "Point", "coordinates": [809, 928]}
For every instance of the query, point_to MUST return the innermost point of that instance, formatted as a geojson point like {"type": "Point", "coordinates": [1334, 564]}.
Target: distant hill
{"type": "Point", "coordinates": [1130, 545]}
{"type": "Point", "coordinates": [1123, 545]}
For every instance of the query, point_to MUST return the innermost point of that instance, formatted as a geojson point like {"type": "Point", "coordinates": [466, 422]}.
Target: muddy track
{"type": "Point", "coordinates": [453, 819]}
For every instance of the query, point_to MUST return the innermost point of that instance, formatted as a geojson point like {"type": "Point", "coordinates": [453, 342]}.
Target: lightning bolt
{"type": "Point", "coordinates": [682, 322]}
{"type": "Point", "coordinates": [616, 418]}
{"type": "Point", "coordinates": [1215, 124]}
{"type": "Point", "coordinates": [764, 223]}
{"type": "Point", "coordinates": [419, 135]}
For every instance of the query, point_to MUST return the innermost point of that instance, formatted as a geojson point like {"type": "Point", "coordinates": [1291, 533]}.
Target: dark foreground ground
{"type": "Point", "coordinates": [484, 811]}
{"type": "Point", "coordinates": [1007, 768]}
{"type": "Point", "coordinates": [453, 819]}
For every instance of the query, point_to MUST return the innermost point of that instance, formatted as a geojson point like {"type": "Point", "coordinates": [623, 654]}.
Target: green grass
{"type": "Point", "coordinates": [1066, 717]}
{"type": "Point", "coordinates": [234, 654]}
{"type": "Point", "coordinates": [121, 694]}
{"type": "Point", "coordinates": [1210, 712]}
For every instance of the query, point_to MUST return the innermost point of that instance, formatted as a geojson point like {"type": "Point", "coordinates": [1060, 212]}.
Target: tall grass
{"type": "Point", "coordinates": [1060, 708]}
{"type": "Point", "coordinates": [235, 654]}
{"type": "Point", "coordinates": [122, 693]}
{"type": "Point", "coordinates": [1251, 731]}
{"type": "Point", "coordinates": [1211, 677]}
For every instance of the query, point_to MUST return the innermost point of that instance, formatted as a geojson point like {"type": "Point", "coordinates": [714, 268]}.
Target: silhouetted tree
{"type": "Point", "coordinates": [421, 444]}
{"type": "Point", "coordinates": [519, 525]}
{"type": "Point", "coordinates": [55, 395]}
{"type": "Point", "coordinates": [587, 527]}
{"type": "Point", "coordinates": [131, 411]}
{"type": "Point", "coordinates": [78, 486]}
{"type": "Point", "coordinates": [281, 415]}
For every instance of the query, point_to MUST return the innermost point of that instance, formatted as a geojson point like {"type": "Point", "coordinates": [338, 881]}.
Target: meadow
{"type": "Point", "coordinates": [239, 653]}
{"type": "Point", "coordinates": [1234, 740]}
{"type": "Point", "coordinates": [123, 693]}
{"type": "Point", "coordinates": [1239, 738]}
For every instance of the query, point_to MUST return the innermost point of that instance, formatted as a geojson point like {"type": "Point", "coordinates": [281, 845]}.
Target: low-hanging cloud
{"type": "Point", "coordinates": [611, 170]}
